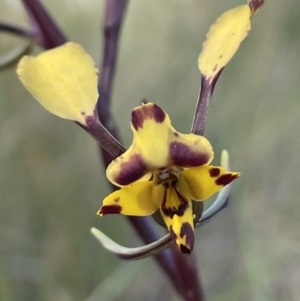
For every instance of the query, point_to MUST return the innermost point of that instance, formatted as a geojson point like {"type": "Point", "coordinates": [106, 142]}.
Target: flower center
{"type": "Point", "coordinates": [166, 175]}
{"type": "Point", "coordinates": [173, 202]}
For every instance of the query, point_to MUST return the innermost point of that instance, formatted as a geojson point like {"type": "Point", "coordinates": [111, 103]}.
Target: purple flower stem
{"type": "Point", "coordinates": [47, 33]}
{"type": "Point", "coordinates": [206, 91]}
{"type": "Point", "coordinates": [188, 271]}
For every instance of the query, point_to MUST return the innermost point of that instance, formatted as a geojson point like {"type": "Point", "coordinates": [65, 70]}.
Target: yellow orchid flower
{"type": "Point", "coordinates": [163, 169]}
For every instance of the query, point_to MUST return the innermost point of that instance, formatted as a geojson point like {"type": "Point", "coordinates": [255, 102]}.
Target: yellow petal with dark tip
{"type": "Point", "coordinates": [181, 228]}
{"type": "Point", "coordinates": [136, 199]}
{"type": "Point", "coordinates": [224, 39]}
{"type": "Point", "coordinates": [63, 80]}
{"type": "Point", "coordinates": [156, 144]}
{"type": "Point", "coordinates": [200, 183]}
{"type": "Point", "coordinates": [176, 211]}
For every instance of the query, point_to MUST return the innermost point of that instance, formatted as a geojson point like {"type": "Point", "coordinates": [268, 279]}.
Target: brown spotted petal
{"type": "Point", "coordinates": [127, 168]}
{"type": "Point", "coordinates": [156, 144]}
{"type": "Point", "coordinates": [200, 183]}
{"type": "Point", "coordinates": [189, 150]}
{"type": "Point", "coordinates": [176, 211]}
{"type": "Point", "coordinates": [135, 200]}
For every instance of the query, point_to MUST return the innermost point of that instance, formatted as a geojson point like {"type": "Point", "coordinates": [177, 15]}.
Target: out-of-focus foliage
{"type": "Point", "coordinates": [51, 182]}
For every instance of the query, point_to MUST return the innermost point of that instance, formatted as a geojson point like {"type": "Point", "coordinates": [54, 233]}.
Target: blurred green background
{"type": "Point", "coordinates": [52, 183]}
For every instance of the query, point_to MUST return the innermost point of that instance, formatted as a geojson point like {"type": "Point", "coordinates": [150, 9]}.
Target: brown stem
{"type": "Point", "coordinates": [95, 128]}
{"type": "Point", "coordinates": [114, 13]}
{"type": "Point", "coordinates": [201, 108]}
{"type": "Point", "coordinates": [189, 276]}
{"type": "Point", "coordinates": [47, 33]}
{"type": "Point", "coordinates": [206, 90]}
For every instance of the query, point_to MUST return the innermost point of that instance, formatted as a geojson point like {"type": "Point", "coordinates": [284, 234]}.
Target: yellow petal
{"type": "Point", "coordinates": [156, 144]}
{"type": "Point", "coordinates": [223, 40]}
{"type": "Point", "coordinates": [200, 183]}
{"type": "Point", "coordinates": [177, 213]}
{"type": "Point", "coordinates": [136, 199]}
{"type": "Point", "coordinates": [63, 80]}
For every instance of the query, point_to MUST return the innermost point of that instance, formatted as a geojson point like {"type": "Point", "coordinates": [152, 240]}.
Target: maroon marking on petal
{"type": "Point", "coordinates": [215, 68]}
{"type": "Point", "coordinates": [187, 231]}
{"type": "Point", "coordinates": [110, 209]}
{"type": "Point", "coordinates": [159, 114]}
{"type": "Point", "coordinates": [117, 200]}
{"type": "Point", "coordinates": [176, 134]}
{"type": "Point", "coordinates": [173, 234]}
{"type": "Point", "coordinates": [182, 155]}
{"type": "Point", "coordinates": [131, 170]}
{"type": "Point", "coordinates": [184, 249]}
{"type": "Point", "coordinates": [137, 120]}
{"type": "Point", "coordinates": [171, 211]}
{"type": "Point", "coordinates": [226, 179]}
{"type": "Point", "coordinates": [179, 194]}
{"type": "Point", "coordinates": [214, 172]}
{"type": "Point", "coordinates": [144, 112]}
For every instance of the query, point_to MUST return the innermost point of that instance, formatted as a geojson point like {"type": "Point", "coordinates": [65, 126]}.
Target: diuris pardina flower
{"type": "Point", "coordinates": [164, 169]}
